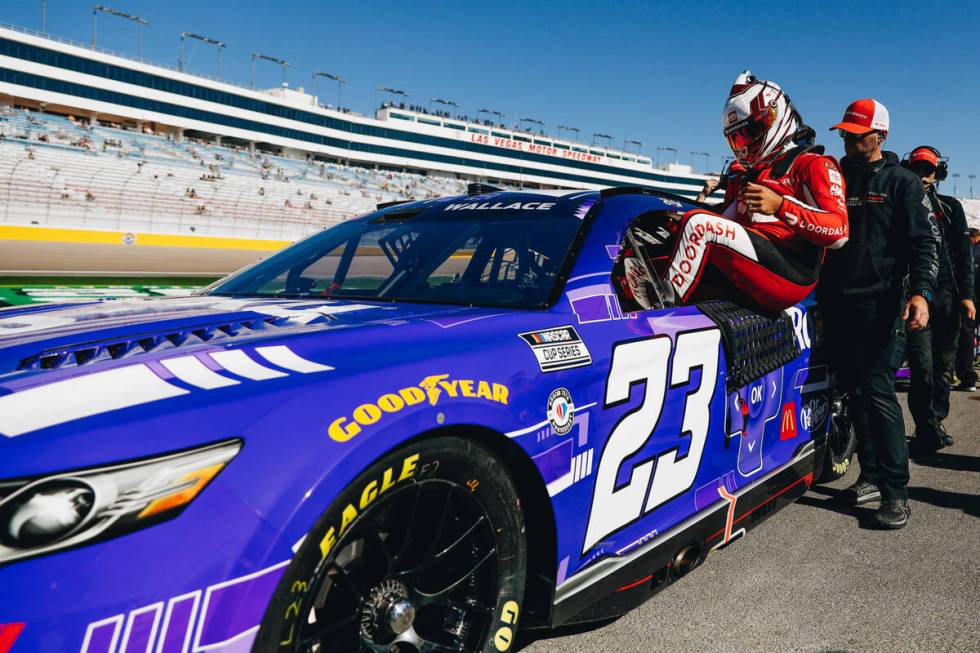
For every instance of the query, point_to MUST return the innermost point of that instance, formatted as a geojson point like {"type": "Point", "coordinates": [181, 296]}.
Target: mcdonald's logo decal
{"type": "Point", "coordinates": [787, 425]}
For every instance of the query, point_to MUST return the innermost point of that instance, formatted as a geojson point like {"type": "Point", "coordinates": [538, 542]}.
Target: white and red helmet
{"type": "Point", "coordinates": [759, 121]}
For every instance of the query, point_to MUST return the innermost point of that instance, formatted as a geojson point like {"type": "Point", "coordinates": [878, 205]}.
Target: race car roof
{"type": "Point", "coordinates": [501, 204]}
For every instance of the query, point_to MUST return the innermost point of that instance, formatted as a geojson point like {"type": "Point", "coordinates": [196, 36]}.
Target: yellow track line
{"type": "Point", "coordinates": [135, 239]}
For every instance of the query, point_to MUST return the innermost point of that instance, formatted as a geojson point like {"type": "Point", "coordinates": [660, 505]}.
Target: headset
{"type": "Point", "coordinates": [942, 166]}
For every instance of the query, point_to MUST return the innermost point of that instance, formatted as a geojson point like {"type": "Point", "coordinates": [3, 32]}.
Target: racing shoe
{"type": "Point", "coordinates": [863, 492]}
{"type": "Point", "coordinates": [893, 513]}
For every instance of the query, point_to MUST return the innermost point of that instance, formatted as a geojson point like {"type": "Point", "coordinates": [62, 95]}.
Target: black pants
{"type": "Point", "coordinates": [931, 353]}
{"type": "Point", "coordinates": [860, 336]}
{"type": "Point", "coordinates": [964, 353]}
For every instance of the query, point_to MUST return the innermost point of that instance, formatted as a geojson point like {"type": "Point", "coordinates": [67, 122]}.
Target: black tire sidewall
{"type": "Point", "coordinates": [836, 464]}
{"type": "Point", "coordinates": [468, 464]}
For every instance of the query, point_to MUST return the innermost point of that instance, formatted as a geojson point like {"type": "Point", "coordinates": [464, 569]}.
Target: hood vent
{"type": "Point", "coordinates": [94, 352]}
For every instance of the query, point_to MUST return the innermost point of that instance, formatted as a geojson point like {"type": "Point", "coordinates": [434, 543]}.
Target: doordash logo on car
{"type": "Point", "coordinates": [432, 388]}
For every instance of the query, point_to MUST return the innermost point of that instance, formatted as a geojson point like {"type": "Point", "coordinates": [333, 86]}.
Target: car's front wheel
{"type": "Point", "coordinates": [423, 552]}
{"type": "Point", "coordinates": [841, 441]}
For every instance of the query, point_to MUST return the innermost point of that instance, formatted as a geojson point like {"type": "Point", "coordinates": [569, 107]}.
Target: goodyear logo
{"type": "Point", "coordinates": [433, 388]}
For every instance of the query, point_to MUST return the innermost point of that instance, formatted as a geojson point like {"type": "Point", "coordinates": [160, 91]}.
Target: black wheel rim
{"type": "Point", "coordinates": [416, 572]}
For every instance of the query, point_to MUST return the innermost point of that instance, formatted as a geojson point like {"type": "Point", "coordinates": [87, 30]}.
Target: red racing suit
{"type": "Point", "coordinates": [773, 260]}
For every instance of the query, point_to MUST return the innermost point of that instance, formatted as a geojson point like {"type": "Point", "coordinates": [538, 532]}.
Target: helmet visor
{"type": "Point", "coordinates": [747, 136]}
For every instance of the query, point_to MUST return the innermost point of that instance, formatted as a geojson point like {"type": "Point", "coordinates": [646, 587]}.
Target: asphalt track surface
{"type": "Point", "coordinates": [818, 576]}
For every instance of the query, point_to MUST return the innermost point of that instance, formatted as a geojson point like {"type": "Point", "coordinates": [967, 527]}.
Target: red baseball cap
{"type": "Point", "coordinates": [926, 154]}
{"type": "Point", "coordinates": [863, 116]}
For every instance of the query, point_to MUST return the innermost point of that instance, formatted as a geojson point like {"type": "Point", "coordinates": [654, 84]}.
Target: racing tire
{"type": "Point", "coordinates": [841, 442]}
{"type": "Point", "coordinates": [424, 552]}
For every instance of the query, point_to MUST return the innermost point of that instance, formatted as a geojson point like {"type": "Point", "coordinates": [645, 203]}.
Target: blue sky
{"type": "Point", "coordinates": [653, 72]}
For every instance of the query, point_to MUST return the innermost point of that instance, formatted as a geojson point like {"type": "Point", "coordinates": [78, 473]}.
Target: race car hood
{"type": "Point", "coordinates": [39, 339]}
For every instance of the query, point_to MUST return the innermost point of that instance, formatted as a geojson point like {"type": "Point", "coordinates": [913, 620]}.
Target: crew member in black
{"type": "Point", "coordinates": [931, 351]}
{"type": "Point", "coordinates": [965, 349]}
{"type": "Point", "coordinates": [860, 295]}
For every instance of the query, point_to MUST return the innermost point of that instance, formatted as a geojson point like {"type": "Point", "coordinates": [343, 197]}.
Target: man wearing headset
{"type": "Point", "coordinates": [860, 294]}
{"type": "Point", "coordinates": [931, 351]}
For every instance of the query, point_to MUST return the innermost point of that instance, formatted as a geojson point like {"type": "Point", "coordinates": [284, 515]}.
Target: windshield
{"type": "Point", "coordinates": [510, 261]}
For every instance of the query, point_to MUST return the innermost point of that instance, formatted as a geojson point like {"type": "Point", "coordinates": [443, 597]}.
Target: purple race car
{"type": "Point", "coordinates": [408, 433]}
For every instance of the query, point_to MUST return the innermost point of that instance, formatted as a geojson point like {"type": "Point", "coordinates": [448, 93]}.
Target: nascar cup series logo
{"type": "Point", "coordinates": [559, 348]}
{"type": "Point", "coordinates": [560, 411]}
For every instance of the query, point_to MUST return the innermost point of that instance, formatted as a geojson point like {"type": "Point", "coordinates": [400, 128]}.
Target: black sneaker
{"type": "Point", "coordinates": [945, 437]}
{"type": "Point", "coordinates": [893, 513]}
{"type": "Point", "coordinates": [863, 492]}
{"type": "Point", "coordinates": [921, 445]}
{"type": "Point", "coordinates": [963, 386]}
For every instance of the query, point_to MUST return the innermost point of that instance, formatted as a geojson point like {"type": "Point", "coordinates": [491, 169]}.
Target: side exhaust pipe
{"type": "Point", "coordinates": [687, 558]}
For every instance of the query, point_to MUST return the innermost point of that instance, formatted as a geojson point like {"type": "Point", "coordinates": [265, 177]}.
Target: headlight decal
{"type": "Point", "coordinates": [58, 511]}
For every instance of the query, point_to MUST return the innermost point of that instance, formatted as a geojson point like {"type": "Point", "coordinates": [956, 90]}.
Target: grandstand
{"type": "Point", "coordinates": [64, 172]}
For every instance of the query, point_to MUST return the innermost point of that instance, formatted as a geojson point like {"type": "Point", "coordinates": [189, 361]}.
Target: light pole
{"type": "Point", "coordinates": [275, 60]}
{"type": "Point", "coordinates": [706, 158]}
{"type": "Point", "coordinates": [44, 7]}
{"type": "Point", "coordinates": [638, 144]}
{"type": "Point", "coordinates": [568, 129]}
{"type": "Point", "coordinates": [972, 177]}
{"type": "Point", "coordinates": [390, 91]}
{"type": "Point", "coordinates": [120, 14]}
{"type": "Point", "coordinates": [607, 137]}
{"type": "Point", "coordinates": [448, 103]}
{"type": "Point", "coordinates": [203, 39]}
{"type": "Point", "coordinates": [665, 149]}
{"type": "Point", "coordinates": [956, 176]}
{"type": "Point", "coordinates": [530, 121]}
{"type": "Point", "coordinates": [332, 77]}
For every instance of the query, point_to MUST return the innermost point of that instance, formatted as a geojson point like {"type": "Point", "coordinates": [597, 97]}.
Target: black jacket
{"type": "Point", "coordinates": [892, 233]}
{"type": "Point", "coordinates": [956, 256]}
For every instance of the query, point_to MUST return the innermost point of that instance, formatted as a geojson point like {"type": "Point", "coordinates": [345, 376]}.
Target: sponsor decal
{"type": "Point", "coordinates": [556, 349]}
{"type": "Point", "coordinates": [561, 409]}
{"type": "Point", "coordinates": [813, 413]}
{"type": "Point", "coordinates": [500, 206]}
{"type": "Point", "coordinates": [374, 488]}
{"type": "Point", "coordinates": [834, 176]}
{"type": "Point", "coordinates": [787, 426]}
{"type": "Point", "coordinates": [433, 388]}
{"type": "Point", "coordinates": [694, 248]}
{"type": "Point", "coordinates": [800, 326]}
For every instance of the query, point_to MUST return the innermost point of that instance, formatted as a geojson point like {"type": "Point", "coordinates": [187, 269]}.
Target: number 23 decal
{"type": "Point", "coordinates": [664, 476]}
